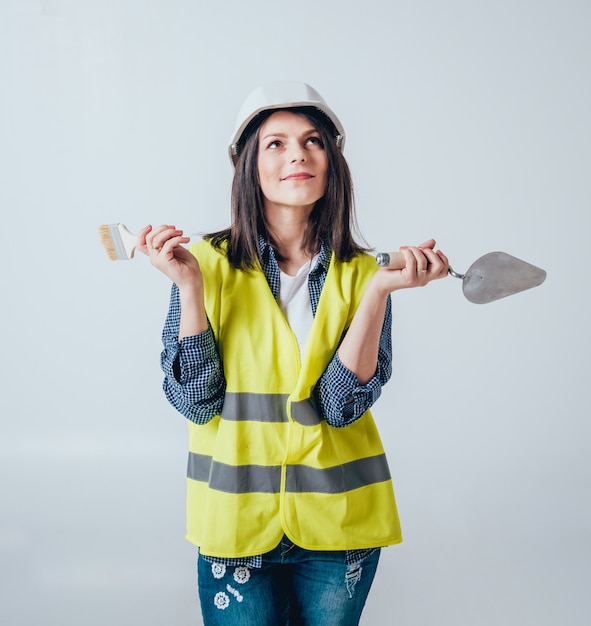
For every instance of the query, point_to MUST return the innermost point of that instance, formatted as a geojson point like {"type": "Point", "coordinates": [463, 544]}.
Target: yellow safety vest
{"type": "Point", "coordinates": [269, 464]}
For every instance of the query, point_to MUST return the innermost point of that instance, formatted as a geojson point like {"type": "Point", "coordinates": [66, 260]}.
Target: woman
{"type": "Point", "coordinates": [276, 345]}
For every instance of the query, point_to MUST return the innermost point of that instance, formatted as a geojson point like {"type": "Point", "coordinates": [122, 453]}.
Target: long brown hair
{"type": "Point", "coordinates": [331, 221]}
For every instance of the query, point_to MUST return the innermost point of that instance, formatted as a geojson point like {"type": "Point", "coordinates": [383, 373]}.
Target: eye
{"type": "Point", "coordinates": [315, 141]}
{"type": "Point", "coordinates": [274, 144]}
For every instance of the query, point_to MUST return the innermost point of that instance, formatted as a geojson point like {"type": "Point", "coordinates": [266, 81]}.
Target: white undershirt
{"type": "Point", "coordinates": [294, 301]}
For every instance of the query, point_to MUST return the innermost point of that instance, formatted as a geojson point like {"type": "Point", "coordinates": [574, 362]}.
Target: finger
{"type": "Point", "coordinates": [160, 235]}
{"type": "Point", "coordinates": [416, 271]}
{"type": "Point", "coordinates": [444, 259]}
{"type": "Point", "coordinates": [153, 232]}
{"type": "Point", "coordinates": [410, 265]}
{"type": "Point", "coordinates": [432, 258]}
{"type": "Point", "coordinates": [437, 268]}
{"type": "Point", "coordinates": [141, 236]}
{"type": "Point", "coordinates": [141, 239]}
{"type": "Point", "coordinates": [421, 259]}
{"type": "Point", "coordinates": [170, 245]}
{"type": "Point", "coordinates": [170, 253]}
{"type": "Point", "coordinates": [437, 265]}
{"type": "Point", "coordinates": [429, 244]}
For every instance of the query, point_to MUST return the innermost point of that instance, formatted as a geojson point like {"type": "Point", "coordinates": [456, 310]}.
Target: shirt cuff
{"type": "Point", "coordinates": [185, 358]}
{"type": "Point", "coordinates": [344, 398]}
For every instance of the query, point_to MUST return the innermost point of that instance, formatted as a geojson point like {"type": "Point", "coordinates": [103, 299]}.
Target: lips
{"type": "Point", "coordinates": [299, 176]}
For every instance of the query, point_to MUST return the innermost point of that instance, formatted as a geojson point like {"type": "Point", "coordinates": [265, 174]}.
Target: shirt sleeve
{"type": "Point", "coordinates": [194, 380]}
{"type": "Point", "coordinates": [341, 398]}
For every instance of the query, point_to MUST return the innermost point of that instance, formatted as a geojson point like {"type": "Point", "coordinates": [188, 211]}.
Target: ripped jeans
{"type": "Point", "coordinates": [294, 587]}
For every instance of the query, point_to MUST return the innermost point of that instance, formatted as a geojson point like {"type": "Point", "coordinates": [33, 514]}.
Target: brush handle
{"type": "Point", "coordinates": [128, 240]}
{"type": "Point", "coordinates": [391, 260]}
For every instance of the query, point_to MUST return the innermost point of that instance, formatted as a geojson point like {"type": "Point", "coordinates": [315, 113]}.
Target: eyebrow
{"type": "Point", "coordinates": [310, 131]}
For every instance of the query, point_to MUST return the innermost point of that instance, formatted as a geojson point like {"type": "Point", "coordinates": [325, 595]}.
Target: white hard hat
{"type": "Point", "coordinates": [281, 95]}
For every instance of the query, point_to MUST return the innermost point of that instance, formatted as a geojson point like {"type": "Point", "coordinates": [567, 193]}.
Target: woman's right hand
{"type": "Point", "coordinates": [163, 245]}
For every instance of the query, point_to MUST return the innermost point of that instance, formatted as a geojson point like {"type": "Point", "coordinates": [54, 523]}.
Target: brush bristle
{"type": "Point", "coordinates": [107, 241]}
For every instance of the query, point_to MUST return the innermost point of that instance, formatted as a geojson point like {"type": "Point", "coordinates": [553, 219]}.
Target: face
{"type": "Point", "coordinates": [292, 162]}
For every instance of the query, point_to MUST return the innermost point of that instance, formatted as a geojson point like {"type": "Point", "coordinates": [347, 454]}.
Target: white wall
{"type": "Point", "coordinates": [467, 121]}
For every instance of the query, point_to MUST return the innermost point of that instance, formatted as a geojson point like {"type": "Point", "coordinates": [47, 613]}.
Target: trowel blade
{"type": "Point", "coordinates": [497, 275]}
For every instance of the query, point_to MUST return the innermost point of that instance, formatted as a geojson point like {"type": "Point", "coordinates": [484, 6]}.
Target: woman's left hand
{"type": "Point", "coordinates": [423, 264]}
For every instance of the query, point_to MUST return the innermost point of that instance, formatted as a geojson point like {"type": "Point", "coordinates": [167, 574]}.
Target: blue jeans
{"type": "Point", "coordinates": [294, 587]}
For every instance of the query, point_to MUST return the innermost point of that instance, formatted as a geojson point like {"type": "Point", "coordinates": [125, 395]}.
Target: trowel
{"type": "Point", "coordinates": [491, 277]}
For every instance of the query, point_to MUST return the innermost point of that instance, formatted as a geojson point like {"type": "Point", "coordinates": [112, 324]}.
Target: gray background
{"type": "Point", "coordinates": [466, 120]}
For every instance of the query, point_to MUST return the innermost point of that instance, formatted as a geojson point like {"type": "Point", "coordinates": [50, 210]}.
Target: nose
{"type": "Point", "coordinates": [298, 153]}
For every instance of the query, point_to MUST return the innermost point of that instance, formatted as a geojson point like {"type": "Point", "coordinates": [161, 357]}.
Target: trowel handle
{"type": "Point", "coordinates": [391, 260]}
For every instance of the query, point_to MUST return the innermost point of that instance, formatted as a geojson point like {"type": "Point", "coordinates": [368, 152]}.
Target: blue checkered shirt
{"type": "Point", "coordinates": [194, 380]}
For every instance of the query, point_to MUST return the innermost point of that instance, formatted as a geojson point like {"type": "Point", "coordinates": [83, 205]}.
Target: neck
{"type": "Point", "coordinates": [287, 226]}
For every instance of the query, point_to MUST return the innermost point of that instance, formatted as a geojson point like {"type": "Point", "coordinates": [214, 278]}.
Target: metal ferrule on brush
{"type": "Point", "coordinates": [117, 241]}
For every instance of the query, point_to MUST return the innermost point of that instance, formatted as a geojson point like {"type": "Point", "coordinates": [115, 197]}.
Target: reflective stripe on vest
{"type": "Point", "coordinates": [299, 478]}
{"type": "Point", "coordinates": [268, 407]}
